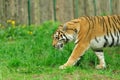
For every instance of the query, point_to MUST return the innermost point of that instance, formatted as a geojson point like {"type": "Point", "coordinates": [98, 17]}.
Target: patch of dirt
{"type": "Point", "coordinates": [74, 75]}
{"type": "Point", "coordinates": [116, 71]}
{"type": "Point", "coordinates": [102, 77]}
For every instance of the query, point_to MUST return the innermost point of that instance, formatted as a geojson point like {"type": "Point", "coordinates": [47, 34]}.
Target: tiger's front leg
{"type": "Point", "coordinates": [78, 51]}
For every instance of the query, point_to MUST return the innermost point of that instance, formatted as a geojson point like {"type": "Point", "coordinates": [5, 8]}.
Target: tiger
{"type": "Point", "coordinates": [95, 32]}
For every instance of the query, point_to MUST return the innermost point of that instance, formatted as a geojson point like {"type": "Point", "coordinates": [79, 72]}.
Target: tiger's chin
{"type": "Point", "coordinates": [60, 47]}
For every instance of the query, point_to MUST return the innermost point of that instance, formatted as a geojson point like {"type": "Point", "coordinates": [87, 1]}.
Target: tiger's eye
{"type": "Point", "coordinates": [61, 35]}
{"type": "Point", "coordinates": [56, 38]}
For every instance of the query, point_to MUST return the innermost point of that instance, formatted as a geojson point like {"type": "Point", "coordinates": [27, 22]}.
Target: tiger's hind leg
{"type": "Point", "coordinates": [100, 56]}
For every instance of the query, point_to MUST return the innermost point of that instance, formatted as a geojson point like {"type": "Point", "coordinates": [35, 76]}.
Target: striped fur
{"type": "Point", "coordinates": [88, 32]}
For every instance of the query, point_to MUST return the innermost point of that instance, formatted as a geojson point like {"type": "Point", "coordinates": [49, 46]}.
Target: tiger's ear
{"type": "Point", "coordinates": [60, 27]}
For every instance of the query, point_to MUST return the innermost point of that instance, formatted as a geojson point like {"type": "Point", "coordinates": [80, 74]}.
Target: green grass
{"type": "Point", "coordinates": [26, 53]}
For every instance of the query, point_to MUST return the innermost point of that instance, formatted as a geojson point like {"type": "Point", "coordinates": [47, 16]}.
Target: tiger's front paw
{"type": "Point", "coordinates": [62, 67]}
{"type": "Point", "coordinates": [65, 66]}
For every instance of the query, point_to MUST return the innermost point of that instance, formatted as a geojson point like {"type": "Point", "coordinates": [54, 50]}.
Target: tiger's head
{"type": "Point", "coordinates": [65, 33]}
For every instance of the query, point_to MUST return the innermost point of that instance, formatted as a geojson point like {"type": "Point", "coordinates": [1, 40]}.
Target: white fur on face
{"type": "Point", "coordinates": [70, 37]}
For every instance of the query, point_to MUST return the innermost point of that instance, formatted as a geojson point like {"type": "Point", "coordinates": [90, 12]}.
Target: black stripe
{"type": "Point", "coordinates": [59, 34]}
{"type": "Point", "coordinates": [119, 17]}
{"type": "Point", "coordinates": [93, 24]}
{"type": "Point", "coordinates": [64, 36]}
{"type": "Point", "coordinates": [112, 40]}
{"type": "Point", "coordinates": [106, 41]}
{"type": "Point", "coordinates": [96, 40]}
{"type": "Point", "coordinates": [115, 22]}
{"type": "Point", "coordinates": [109, 22]}
{"type": "Point", "coordinates": [103, 20]}
{"type": "Point", "coordinates": [98, 19]}
{"type": "Point", "coordinates": [117, 38]}
{"type": "Point", "coordinates": [89, 25]}
{"type": "Point", "coordinates": [115, 26]}
{"type": "Point", "coordinates": [116, 19]}
{"type": "Point", "coordinates": [119, 32]}
{"type": "Point", "coordinates": [106, 26]}
{"type": "Point", "coordinates": [95, 20]}
{"type": "Point", "coordinates": [99, 50]}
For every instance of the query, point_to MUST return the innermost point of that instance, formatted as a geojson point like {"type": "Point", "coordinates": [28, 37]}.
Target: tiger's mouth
{"type": "Point", "coordinates": [59, 46]}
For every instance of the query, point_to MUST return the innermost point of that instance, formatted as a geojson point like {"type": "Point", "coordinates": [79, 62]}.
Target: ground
{"type": "Point", "coordinates": [26, 53]}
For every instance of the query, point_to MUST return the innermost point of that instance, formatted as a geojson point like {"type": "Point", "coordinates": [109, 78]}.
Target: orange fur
{"type": "Point", "coordinates": [85, 29]}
